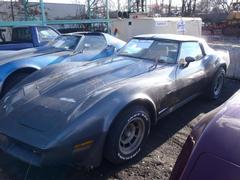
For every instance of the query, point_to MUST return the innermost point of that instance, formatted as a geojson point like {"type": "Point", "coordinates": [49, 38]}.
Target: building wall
{"type": "Point", "coordinates": [53, 11]}
{"type": "Point", "coordinates": [127, 28]}
{"type": "Point", "coordinates": [234, 52]}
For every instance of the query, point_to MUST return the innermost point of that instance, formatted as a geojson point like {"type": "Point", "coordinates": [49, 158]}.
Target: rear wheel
{"type": "Point", "coordinates": [215, 88]}
{"type": "Point", "coordinates": [127, 135]}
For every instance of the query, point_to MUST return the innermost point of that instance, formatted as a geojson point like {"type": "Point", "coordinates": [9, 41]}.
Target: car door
{"type": "Point", "coordinates": [166, 52]}
{"type": "Point", "coordinates": [190, 79]}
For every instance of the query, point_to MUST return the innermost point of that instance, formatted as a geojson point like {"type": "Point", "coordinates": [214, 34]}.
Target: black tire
{"type": "Point", "coordinates": [13, 81]}
{"type": "Point", "coordinates": [215, 87]}
{"type": "Point", "coordinates": [133, 117]}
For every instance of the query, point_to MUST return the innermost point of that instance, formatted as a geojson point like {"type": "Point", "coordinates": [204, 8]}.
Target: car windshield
{"type": "Point", "coordinates": [93, 43]}
{"type": "Point", "coordinates": [162, 50]}
{"type": "Point", "coordinates": [66, 42]}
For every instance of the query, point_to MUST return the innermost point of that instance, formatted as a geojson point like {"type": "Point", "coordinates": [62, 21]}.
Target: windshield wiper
{"type": "Point", "coordinates": [157, 61]}
{"type": "Point", "coordinates": [74, 52]}
{"type": "Point", "coordinates": [134, 57]}
{"type": "Point", "coordinates": [126, 55]}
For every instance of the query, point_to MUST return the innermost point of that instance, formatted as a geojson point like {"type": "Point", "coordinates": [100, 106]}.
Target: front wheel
{"type": "Point", "coordinates": [216, 86]}
{"type": "Point", "coordinates": [127, 135]}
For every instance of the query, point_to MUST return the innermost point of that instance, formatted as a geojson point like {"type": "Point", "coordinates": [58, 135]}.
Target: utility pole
{"type": "Point", "coordinates": [129, 5]}
{"type": "Point", "coordinates": [170, 7]}
{"type": "Point", "coordinates": [12, 11]}
{"type": "Point", "coordinates": [43, 12]}
{"type": "Point", "coordinates": [89, 9]}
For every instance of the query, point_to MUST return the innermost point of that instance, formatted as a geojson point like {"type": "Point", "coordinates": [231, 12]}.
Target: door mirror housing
{"type": "Point", "coordinates": [185, 62]}
{"type": "Point", "coordinates": [110, 49]}
{"type": "Point", "coordinates": [189, 60]}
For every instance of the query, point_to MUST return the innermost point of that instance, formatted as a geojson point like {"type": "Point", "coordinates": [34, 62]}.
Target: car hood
{"type": "Point", "coordinates": [44, 106]}
{"type": "Point", "coordinates": [230, 108]}
{"type": "Point", "coordinates": [30, 54]}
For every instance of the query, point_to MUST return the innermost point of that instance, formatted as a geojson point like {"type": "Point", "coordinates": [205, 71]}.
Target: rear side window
{"type": "Point", "coordinates": [114, 41]}
{"type": "Point", "coordinates": [191, 49]}
{"type": "Point", "coordinates": [46, 34]}
{"type": "Point", "coordinates": [21, 35]}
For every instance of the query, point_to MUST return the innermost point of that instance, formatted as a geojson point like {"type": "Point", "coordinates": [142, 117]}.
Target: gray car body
{"type": "Point", "coordinates": [67, 104]}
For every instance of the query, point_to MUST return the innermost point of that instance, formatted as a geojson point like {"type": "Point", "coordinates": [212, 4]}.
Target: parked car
{"type": "Point", "coordinates": [28, 37]}
{"type": "Point", "coordinates": [212, 149]}
{"type": "Point", "coordinates": [69, 112]}
{"type": "Point", "coordinates": [84, 47]}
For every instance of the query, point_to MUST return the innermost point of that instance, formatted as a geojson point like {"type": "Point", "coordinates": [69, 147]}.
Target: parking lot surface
{"type": "Point", "coordinates": [155, 162]}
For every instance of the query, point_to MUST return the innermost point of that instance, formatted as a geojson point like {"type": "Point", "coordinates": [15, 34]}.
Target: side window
{"type": "Point", "coordinates": [94, 43]}
{"type": "Point", "coordinates": [191, 49]}
{"type": "Point", "coordinates": [21, 35]}
{"type": "Point", "coordinates": [164, 51]}
{"type": "Point", "coordinates": [46, 34]}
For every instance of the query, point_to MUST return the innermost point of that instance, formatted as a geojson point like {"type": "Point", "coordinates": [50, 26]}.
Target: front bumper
{"type": "Point", "coordinates": [51, 157]}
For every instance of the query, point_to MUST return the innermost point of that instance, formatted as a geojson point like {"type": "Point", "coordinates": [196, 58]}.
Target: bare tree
{"type": "Point", "coordinates": [225, 5]}
{"type": "Point", "coordinates": [203, 6]}
{"type": "Point", "coordinates": [12, 10]}
{"type": "Point", "coordinates": [194, 7]}
{"type": "Point", "coordinates": [169, 7]}
{"type": "Point", "coordinates": [189, 7]}
{"type": "Point", "coordinates": [183, 6]}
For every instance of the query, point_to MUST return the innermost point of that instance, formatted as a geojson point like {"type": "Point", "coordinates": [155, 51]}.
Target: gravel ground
{"type": "Point", "coordinates": [156, 162]}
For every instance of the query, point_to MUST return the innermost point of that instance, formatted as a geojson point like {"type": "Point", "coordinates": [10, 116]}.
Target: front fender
{"type": "Point", "coordinates": [123, 102]}
{"type": "Point", "coordinates": [8, 69]}
{"type": "Point", "coordinates": [95, 122]}
{"type": "Point", "coordinates": [106, 109]}
{"type": "Point", "coordinates": [224, 58]}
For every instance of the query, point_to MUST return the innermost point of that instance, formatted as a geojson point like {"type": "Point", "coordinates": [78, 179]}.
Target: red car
{"type": "Point", "coordinates": [212, 150]}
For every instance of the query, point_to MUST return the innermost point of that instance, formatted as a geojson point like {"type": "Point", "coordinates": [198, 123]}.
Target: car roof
{"type": "Point", "coordinates": [85, 33]}
{"type": "Point", "coordinates": [31, 26]}
{"type": "Point", "coordinates": [173, 37]}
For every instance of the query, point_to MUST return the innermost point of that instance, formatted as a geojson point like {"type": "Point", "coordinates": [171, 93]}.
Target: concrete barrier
{"type": "Point", "coordinates": [234, 51]}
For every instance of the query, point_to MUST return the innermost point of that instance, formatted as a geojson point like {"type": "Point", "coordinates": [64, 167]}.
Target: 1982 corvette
{"type": "Point", "coordinates": [70, 112]}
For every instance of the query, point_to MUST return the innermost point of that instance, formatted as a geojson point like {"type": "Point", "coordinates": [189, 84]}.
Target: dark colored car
{"type": "Point", "coordinates": [28, 37]}
{"type": "Point", "coordinates": [72, 112]}
{"type": "Point", "coordinates": [212, 149]}
{"type": "Point", "coordinates": [84, 47]}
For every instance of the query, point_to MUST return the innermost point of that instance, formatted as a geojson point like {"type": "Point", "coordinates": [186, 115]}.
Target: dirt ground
{"type": "Point", "coordinates": [156, 162]}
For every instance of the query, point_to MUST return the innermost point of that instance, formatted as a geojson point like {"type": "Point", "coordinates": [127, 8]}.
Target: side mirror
{"type": "Point", "coordinates": [110, 49]}
{"type": "Point", "coordinates": [189, 60]}
{"type": "Point", "coordinates": [185, 62]}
